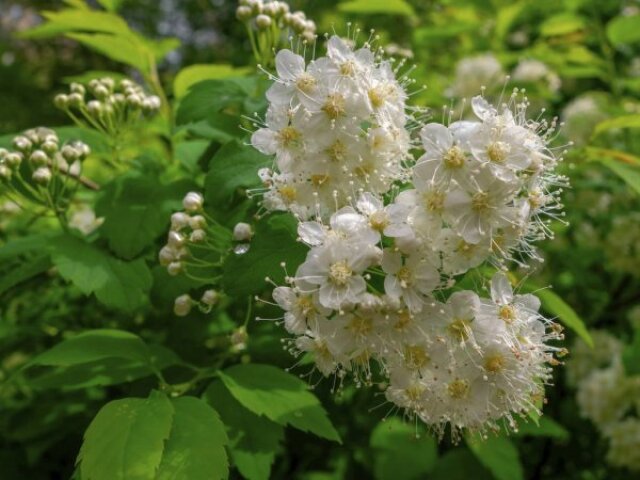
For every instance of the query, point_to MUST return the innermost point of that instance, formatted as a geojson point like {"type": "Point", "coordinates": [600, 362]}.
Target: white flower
{"type": "Point", "coordinates": [412, 279]}
{"type": "Point", "coordinates": [302, 310]}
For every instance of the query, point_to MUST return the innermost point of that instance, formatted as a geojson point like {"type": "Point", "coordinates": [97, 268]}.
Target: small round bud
{"type": "Point", "coordinates": [94, 107]}
{"type": "Point", "coordinates": [50, 147]}
{"type": "Point", "coordinates": [198, 236]}
{"type": "Point", "coordinates": [125, 84]}
{"type": "Point", "coordinates": [118, 99]}
{"type": "Point", "coordinates": [151, 104]}
{"type": "Point", "coordinates": [166, 255]}
{"type": "Point", "coordinates": [255, 5]}
{"type": "Point", "coordinates": [175, 239]}
{"type": "Point", "coordinates": [5, 172]}
{"type": "Point", "coordinates": [77, 88]}
{"type": "Point", "coordinates": [210, 297]}
{"type": "Point", "coordinates": [38, 158]}
{"type": "Point", "coordinates": [134, 101]}
{"type": "Point", "coordinates": [193, 202]}
{"type": "Point", "coordinates": [82, 149]}
{"type": "Point", "coordinates": [263, 21]}
{"type": "Point", "coordinates": [101, 92]}
{"type": "Point", "coordinates": [239, 339]}
{"type": "Point", "coordinates": [94, 83]}
{"type": "Point", "coordinates": [197, 222]}
{"type": "Point", "coordinates": [13, 159]}
{"type": "Point", "coordinates": [179, 220]}
{"type": "Point", "coordinates": [174, 268]}
{"type": "Point", "coordinates": [270, 9]}
{"type": "Point", "coordinates": [3, 153]}
{"type": "Point", "coordinates": [61, 101]}
{"type": "Point", "coordinates": [42, 176]}
{"type": "Point", "coordinates": [76, 100]}
{"type": "Point", "coordinates": [109, 83]}
{"type": "Point", "coordinates": [243, 13]}
{"type": "Point", "coordinates": [242, 232]}
{"type": "Point", "coordinates": [22, 143]}
{"type": "Point", "coordinates": [69, 153]}
{"type": "Point", "coordinates": [182, 305]}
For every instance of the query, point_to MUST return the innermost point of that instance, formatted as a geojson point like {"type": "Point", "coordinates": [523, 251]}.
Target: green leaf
{"type": "Point", "coordinates": [189, 76]}
{"type": "Point", "coordinates": [124, 49]}
{"type": "Point", "coordinates": [546, 427]}
{"type": "Point", "coordinates": [629, 173]}
{"type": "Point", "coordinates": [399, 453]}
{"type": "Point", "coordinates": [459, 464]}
{"type": "Point", "coordinates": [254, 440]}
{"type": "Point", "coordinates": [631, 355]}
{"type": "Point", "coordinates": [280, 396]}
{"type": "Point", "coordinates": [209, 96]}
{"type": "Point", "coordinates": [195, 448]}
{"type": "Point", "coordinates": [499, 455]}
{"type": "Point", "coordinates": [624, 121]}
{"type": "Point", "coordinates": [117, 284]}
{"type": "Point", "coordinates": [274, 242]}
{"type": "Point", "coordinates": [624, 30]}
{"type": "Point", "coordinates": [126, 439]}
{"type": "Point", "coordinates": [25, 270]}
{"type": "Point", "coordinates": [95, 345]}
{"type": "Point", "coordinates": [189, 152]}
{"type": "Point", "coordinates": [389, 7]}
{"type": "Point", "coordinates": [110, 5]}
{"type": "Point", "coordinates": [32, 243]}
{"type": "Point", "coordinates": [136, 211]}
{"type": "Point", "coordinates": [233, 166]}
{"type": "Point", "coordinates": [77, 20]}
{"type": "Point", "coordinates": [562, 24]}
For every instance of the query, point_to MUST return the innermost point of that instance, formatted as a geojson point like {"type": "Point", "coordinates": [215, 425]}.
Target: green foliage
{"type": "Point", "coordinates": [389, 7]}
{"type": "Point", "coordinates": [499, 455]}
{"type": "Point", "coordinates": [189, 76]}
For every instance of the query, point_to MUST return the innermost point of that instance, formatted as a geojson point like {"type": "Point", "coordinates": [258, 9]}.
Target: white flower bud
{"type": "Point", "coordinates": [197, 222]}
{"type": "Point", "coordinates": [193, 202]}
{"type": "Point", "coordinates": [22, 143]}
{"type": "Point", "coordinates": [175, 239]}
{"type": "Point", "coordinates": [166, 255]}
{"type": "Point", "coordinates": [263, 21]}
{"type": "Point", "coordinates": [124, 84]}
{"type": "Point", "coordinates": [242, 232]}
{"type": "Point", "coordinates": [13, 159]}
{"type": "Point", "coordinates": [94, 83]}
{"type": "Point", "coordinates": [152, 104]}
{"type": "Point", "coordinates": [134, 101]}
{"type": "Point", "coordinates": [77, 88]}
{"type": "Point", "coordinates": [83, 149]}
{"type": "Point", "coordinates": [50, 147]}
{"type": "Point", "coordinates": [210, 297]}
{"type": "Point", "coordinates": [243, 13]}
{"type": "Point", "coordinates": [101, 92]}
{"type": "Point", "coordinates": [198, 236]}
{"type": "Point", "coordinates": [3, 153]}
{"type": "Point", "coordinates": [270, 9]}
{"type": "Point", "coordinates": [108, 82]}
{"type": "Point", "coordinates": [75, 168]}
{"type": "Point", "coordinates": [239, 339]}
{"type": "Point", "coordinates": [5, 172]}
{"type": "Point", "coordinates": [61, 101]}
{"type": "Point", "coordinates": [179, 220]}
{"type": "Point", "coordinates": [42, 176]}
{"type": "Point", "coordinates": [174, 268]}
{"type": "Point", "coordinates": [38, 158]}
{"type": "Point", "coordinates": [69, 153]}
{"type": "Point", "coordinates": [182, 305]}
{"type": "Point", "coordinates": [76, 100]}
{"type": "Point", "coordinates": [255, 5]}
{"type": "Point", "coordinates": [94, 107]}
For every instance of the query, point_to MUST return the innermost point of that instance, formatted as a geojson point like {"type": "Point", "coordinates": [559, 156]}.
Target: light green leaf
{"type": "Point", "coordinates": [624, 121]}
{"type": "Point", "coordinates": [189, 76]}
{"type": "Point", "coordinates": [195, 448]}
{"type": "Point", "coordinates": [624, 30]}
{"type": "Point", "coordinates": [499, 455]}
{"type": "Point", "coordinates": [399, 454]}
{"type": "Point", "coordinates": [274, 242]}
{"type": "Point", "coordinates": [280, 396]}
{"type": "Point", "coordinates": [389, 7]}
{"type": "Point", "coordinates": [629, 173]}
{"type": "Point", "coordinates": [118, 284]}
{"type": "Point", "coordinates": [254, 440]}
{"type": "Point", "coordinates": [95, 345]}
{"type": "Point", "coordinates": [562, 24]}
{"type": "Point", "coordinates": [124, 49]}
{"type": "Point", "coordinates": [233, 166]}
{"type": "Point", "coordinates": [546, 427]}
{"type": "Point", "coordinates": [110, 5]}
{"type": "Point", "coordinates": [126, 439]}
{"type": "Point", "coordinates": [77, 20]}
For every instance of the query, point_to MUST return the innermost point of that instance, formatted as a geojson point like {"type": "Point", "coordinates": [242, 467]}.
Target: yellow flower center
{"type": "Point", "coordinates": [507, 313]}
{"type": "Point", "coordinates": [334, 107]}
{"type": "Point", "coordinates": [337, 151]}
{"type": "Point", "coordinates": [459, 329]}
{"type": "Point", "coordinates": [458, 389]}
{"type": "Point", "coordinates": [498, 151]}
{"type": "Point", "coordinates": [454, 157]}
{"type": "Point", "coordinates": [480, 202]}
{"type": "Point", "coordinates": [360, 325]}
{"type": "Point", "coordinates": [405, 275]}
{"type": "Point", "coordinates": [306, 83]}
{"type": "Point", "coordinates": [414, 392]}
{"type": "Point", "coordinates": [340, 273]}
{"type": "Point", "coordinates": [495, 363]}
{"type": "Point", "coordinates": [319, 180]}
{"type": "Point", "coordinates": [379, 221]}
{"type": "Point", "coordinates": [348, 68]}
{"type": "Point", "coordinates": [404, 320]}
{"type": "Point", "coordinates": [287, 136]}
{"type": "Point", "coordinates": [434, 201]}
{"type": "Point", "coordinates": [288, 193]}
{"type": "Point", "coordinates": [415, 357]}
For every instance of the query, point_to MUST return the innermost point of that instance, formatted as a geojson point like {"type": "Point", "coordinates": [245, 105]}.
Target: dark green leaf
{"type": "Point", "coordinates": [25, 270]}
{"type": "Point", "coordinates": [209, 96]}
{"type": "Point", "coordinates": [459, 464]}
{"type": "Point", "coordinates": [546, 427]}
{"type": "Point", "coordinates": [499, 456]}
{"type": "Point", "coordinates": [631, 355]}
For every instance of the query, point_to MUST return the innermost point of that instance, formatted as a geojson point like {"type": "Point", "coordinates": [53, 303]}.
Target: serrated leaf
{"type": "Point", "coordinates": [189, 76]}
{"type": "Point", "coordinates": [233, 166]}
{"type": "Point", "coordinates": [209, 96]}
{"type": "Point", "coordinates": [389, 7]}
{"type": "Point", "coordinates": [195, 448]}
{"type": "Point", "coordinates": [115, 283]}
{"type": "Point", "coordinates": [624, 30]}
{"type": "Point", "coordinates": [253, 440]}
{"type": "Point", "coordinates": [499, 455]}
{"type": "Point", "coordinates": [280, 396]}
{"type": "Point", "coordinates": [399, 454]}
{"type": "Point", "coordinates": [274, 242]}
{"type": "Point", "coordinates": [126, 439]}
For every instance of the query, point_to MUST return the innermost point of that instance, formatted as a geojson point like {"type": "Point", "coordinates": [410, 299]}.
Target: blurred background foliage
{"type": "Point", "coordinates": [579, 60]}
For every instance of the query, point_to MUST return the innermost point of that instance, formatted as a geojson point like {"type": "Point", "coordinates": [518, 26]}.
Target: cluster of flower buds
{"type": "Point", "coordinates": [106, 105]}
{"type": "Point", "coordinates": [38, 169]}
{"type": "Point", "coordinates": [337, 126]}
{"type": "Point", "coordinates": [607, 396]}
{"type": "Point", "coordinates": [196, 245]}
{"type": "Point", "coordinates": [273, 23]}
{"type": "Point", "coordinates": [389, 236]}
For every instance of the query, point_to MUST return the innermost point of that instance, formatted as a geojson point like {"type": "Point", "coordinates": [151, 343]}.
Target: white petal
{"type": "Point", "coordinates": [368, 203]}
{"type": "Point", "coordinates": [501, 290]}
{"type": "Point", "coordinates": [482, 108]}
{"type": "Point", "coordinates": [284, 297]}
{"type": "Point", "coordinates": [264, 141]}
{"type": "Point", "coordinates": [436, 135]}
{"type": "Point", "coordinates": [391, 261]}
{"type": "Point", "coordinates": [289, 65]}
{"type": "Point", "coordinates": [312, 233]}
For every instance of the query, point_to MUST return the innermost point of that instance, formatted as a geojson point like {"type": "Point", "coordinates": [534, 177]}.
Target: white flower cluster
{"type": "Point", "coordinates": [608, 397]}
{"type": "Point", "coordinates": [336, 126]}
{"type": "Point", "coordinates": [476, 73]}
{"type": "Point", "coordinates": [376, 296]}
{"type": "Point", "coordinates": [268, 14]}
{"type": "Point", "coordinates": [114, 106]}
{"type": "Point", "coordinates": [532, 71]}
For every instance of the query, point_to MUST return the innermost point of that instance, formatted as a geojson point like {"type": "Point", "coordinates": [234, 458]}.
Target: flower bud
{"type": "Point", "coordinates": [134, 101]}
{"type": "Point", "coordinates": [242, 232]}
{"type": "Point", "coordinates": [118, 99]}
{"type": "Point", "coordinates": [175, 239]}
{"type": "Point", "coordinates": [69, 153]}
{"type": "Point", "coordinates": [94, 107]}
{"type": "Point", "coordinates": [197, 222]}
{"type": "Point", "coordinates": [50, 147]}
{"type": "Point", "coordinates": [243, 13]}
{"type": "Point", "coordinates": [109, 83]}
{"type": "Point", "coordinates": [38, 158]}
{"type": "Point", "coordinates": [166, 255]}
{"type": "Point", "coordinates": [42, 176]}
{"type": "Point", "coordinates": [193, 202]}
{"type": "Point", "coordinates": [179, 220]}
{"type": "Point", "coordinates": [182, 305]}
{"type": "Point", "coordinates": [22, 143]}
{"type": "Point", "coordinates": [101, 92]}
{"type": "Point", "coordinates": [5, 172]}
{"type": "Point", "coordinates": [13, 159]}
{"type": "Point", "coordinates": [174, 268]}
{"type": "Point", "coordinates": [94, 83]}
{"type": "Point", "coordinates": [255, 5]}
{"type": "Point", "coordinates": [82, 149]}
{"type": "Point", "coordinates": [198, 236]}
{"type": "Point", "coordinates": [76, 100]}
{"type": "Point", "coordinates": [151, 104]}
{"type": "Point", "coordinates": [77, 88]}
{"type": "Point", "coordinates": [61, 101]}
{"type": "Point", "coordinates": [263, 21]}
{"type": "Point", "coordinates": [270, 9]}
{"type": "Point", "coordinates": [210, 297]}
{"type": "Point", "coordinates": [3, 153]}
{"type": "Point", "coordinates": [239, 339]}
